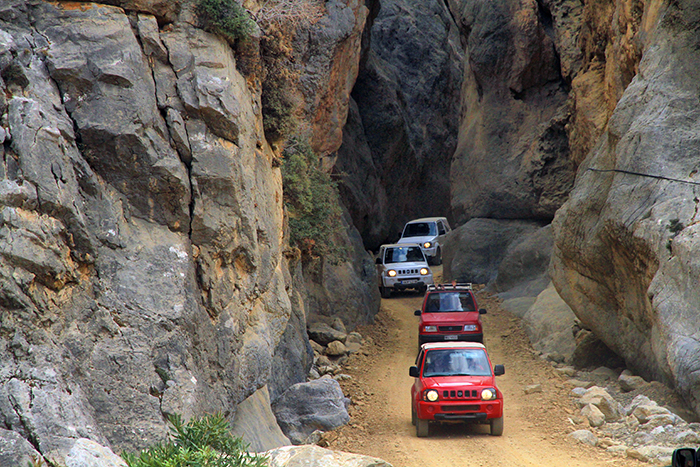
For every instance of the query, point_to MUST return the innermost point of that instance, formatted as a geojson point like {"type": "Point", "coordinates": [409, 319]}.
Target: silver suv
{"type": "Point", "coordinates": [401, 267]}
{"type": "Point", "coordinates": [429, 233]}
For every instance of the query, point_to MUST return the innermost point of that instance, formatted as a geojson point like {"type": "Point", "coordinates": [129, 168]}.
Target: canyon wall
{"type": "Point", "coordinates": [584, 114]}
{"type": "Point", "coordinates": [144, 262]}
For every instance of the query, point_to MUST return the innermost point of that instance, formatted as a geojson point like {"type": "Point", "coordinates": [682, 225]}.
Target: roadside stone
{"type": "Point", "coordinates": [342, 377]}
{"type": "Point", "coordinates": [599, 397]}
{"type": "Point", "coordinates": [651, 454]}
{"type": "Point", "coordinates": [585, 437]}
{"type": "Point", "coordinates": [632, 423]}
{"type": "Point", "coordinates": [315, 456]}
{"type": "Point", "coordinates": [577, 383]}
{"type": "Point", "coordinates": [88, 453]}
{"type": "Point", "coordinates": [566, 371]}
{"type": "Point", "coordinates": [336, 348]}
{"type": "Point", "coordinates": [306, 407]}
{"type": "Point", "coordinates": [688, 437]}
{"type": "Point", "coordinates": [555, 357]}
{"type": "Point", "coordinates": [324, 334]}
{"type": "Point", "coordinates": [533, 389]}
{"type": "Point", "coordinates": [645, 412]}
{"type": "Point", "coordinates": [628, 382]}
{"type": "Point", "coordinates": [578, 392]}
{"type": "Point", "coordinates": [323, 361]}
{"type": "Point", "coordinates": [619, 449]}
{"type": "Point", "coordinates": [660, 420]}
{"type": "Point", "coordinates": [595, 417]}
{"type": "Point", "coordinates": [605, 372]}
{"type": "Point", "coordinates": [316, 347]}
{"type": "Point", "coordinates": [636, 402]}
{"type": "Point", "coordinates": [338, 325]}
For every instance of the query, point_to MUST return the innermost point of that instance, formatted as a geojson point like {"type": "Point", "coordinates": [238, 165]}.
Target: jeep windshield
{"type": "Point", "coordinates": [456, 362]}
{"type": "Point", "coordinates": [449, 301]}
{"type": "Point", "coordinates": [410, 254]}
{"type": "Point", "coordinates": [420, 229]}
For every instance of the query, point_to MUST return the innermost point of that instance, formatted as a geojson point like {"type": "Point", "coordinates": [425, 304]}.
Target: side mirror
{"type": "Point", "coordinates": [482, 311]}
{"type": "Point", "coordinates": [499, 370]}
{"type": "Point", "coordinates": [413, 372]}
{"type": "Point", "coordinates": [684, 457]}
{"type": "Point", "coordinates": [416, 313]}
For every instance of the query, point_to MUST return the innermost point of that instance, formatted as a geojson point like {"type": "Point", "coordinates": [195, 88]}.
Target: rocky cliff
{"type": "Point", "coordinates": [144, 263]}
{"type": "Point", "coordinates": [603, 93]}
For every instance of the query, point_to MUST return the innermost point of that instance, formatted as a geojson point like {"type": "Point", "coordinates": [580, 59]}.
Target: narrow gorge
{"type": "Point", "coordinates": [153, 257]}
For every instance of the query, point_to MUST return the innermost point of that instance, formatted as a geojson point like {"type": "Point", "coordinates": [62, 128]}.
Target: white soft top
{"type": "Point", "coordinates": [453, 345]}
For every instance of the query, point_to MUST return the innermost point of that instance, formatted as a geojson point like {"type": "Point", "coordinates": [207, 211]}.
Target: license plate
{"type": "Point", "coordinates": [451, 338]}
{"type": "Point", "coordinates": [409, 281]}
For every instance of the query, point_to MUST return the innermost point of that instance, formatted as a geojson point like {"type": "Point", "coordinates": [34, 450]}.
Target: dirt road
{"type": "Point", "coordinates": [536, 425]}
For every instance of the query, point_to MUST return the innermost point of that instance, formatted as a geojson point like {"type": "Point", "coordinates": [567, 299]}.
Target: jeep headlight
{"type": "Point", "coordinates": [430, 328]}
{"type": "Point", "coordinates": [424, 271]}
{"type": "Point", "coordinates": [431, 395]}
{"type": "Point", "coordinates": [427, 245]}
{"type": "Point", "coordinates": [488, 394]}
{"type": "Point", "coordinates": [470, 327]}
{"type": "Point", "coordinates": [391, 273]}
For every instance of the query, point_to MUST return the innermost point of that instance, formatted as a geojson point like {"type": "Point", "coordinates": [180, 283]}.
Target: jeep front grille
{"type": "Point", "coordinates": [460, 408]}
{"type": "Point", "coordinates": [459, 394]}
{"type": "Point", "coordinates": [407, 272]}
{"type": "Point", "coordinates": [449, 328]}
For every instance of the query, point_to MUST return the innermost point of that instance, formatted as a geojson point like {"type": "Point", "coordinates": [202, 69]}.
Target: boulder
{"type": "Point", "coordinates": [324, 334]}
{"type": "Point", "coordinates": [314, 456]}
{"type": "Point", "coordinates": [336, 348]}
{"type": "Point", "coordinates": [306, 407]}
{"type": "Point", "coordinates": [585, 437]}
{"type": "Point", "coordinates": [473, 252]}
{"type": "Point", "coordinates": [600, 398]}
{"type": "Point", "coordinates": [629, 382]}
{"type": "Point", "coordinates": [595, 417]}
{"type": "Point", "coordinates": [549, 322]}
{"type": "Point", "coordinates": [256, 424]}
{"type": "Point", "coordinates": [87, 453]}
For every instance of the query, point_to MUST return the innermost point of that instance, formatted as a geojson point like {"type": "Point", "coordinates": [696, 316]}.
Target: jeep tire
{"type": "Point", "coordinates": [496, 426]}
{"type": "Point", "coordinates": [422, 428]}
{"type": "Point", "coordinates": [385, 292]}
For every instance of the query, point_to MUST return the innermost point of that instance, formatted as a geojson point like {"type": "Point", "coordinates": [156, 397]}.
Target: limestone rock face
{"type": "Point", "coordinates": [403, 119]}
{"type": "Point", "coordinates": [625, 244]}
{"type": "Point", "coordinates": [144, 268]}
{"type": "Point", "coordinates": [512, 156]}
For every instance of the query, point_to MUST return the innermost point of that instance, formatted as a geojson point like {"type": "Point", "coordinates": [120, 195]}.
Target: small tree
{"type": "Point", "coordinates": [227, 18]}
{"type": "Point", "coordinates": [203, 442]}
{"type": "Point", "coordinates": [312, 201]}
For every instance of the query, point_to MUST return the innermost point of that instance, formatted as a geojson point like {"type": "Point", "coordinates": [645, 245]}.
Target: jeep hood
{"type": "Point", "coordinates": [418, 240]}
{"type": "Point", "coordinates": [458, 382]}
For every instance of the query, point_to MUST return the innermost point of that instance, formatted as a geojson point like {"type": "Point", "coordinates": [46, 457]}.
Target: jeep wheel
{"type": "Point", "coordinates": [385, 292]}
{"type": "Point", "coordinates": [422, 428]}
{"type": "Point", "coordinates": [414, 416]}
{"type": "Point", "coordinates": [438, 257]}
{"type": "Point", "coordinates": [496, 426]}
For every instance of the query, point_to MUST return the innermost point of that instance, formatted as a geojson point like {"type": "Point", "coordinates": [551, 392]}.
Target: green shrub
{"type": "Point", "coordinates": [312, 201]}
{"type": "Point", "coordinates": [205, 442]}
{"type": "Point", "coordinates": [227, 18]}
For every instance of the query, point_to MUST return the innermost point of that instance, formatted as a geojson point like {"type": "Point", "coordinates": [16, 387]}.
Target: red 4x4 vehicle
{"type": "Point", "coordinates": [450, 313]}
{"type": "Point", "coordinates": [454, 382]}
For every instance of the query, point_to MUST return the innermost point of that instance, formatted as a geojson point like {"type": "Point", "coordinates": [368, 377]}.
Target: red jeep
{"type": "Point", "coordinates": [450, 313]}
{"type": "Point", "coordinates": [455, 382]}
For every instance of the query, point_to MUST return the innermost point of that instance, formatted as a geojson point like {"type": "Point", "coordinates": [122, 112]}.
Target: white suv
{"type": "Point", "coordinates": [401, 267]}
{"type": "Point", "coordinates": [429, 233]}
